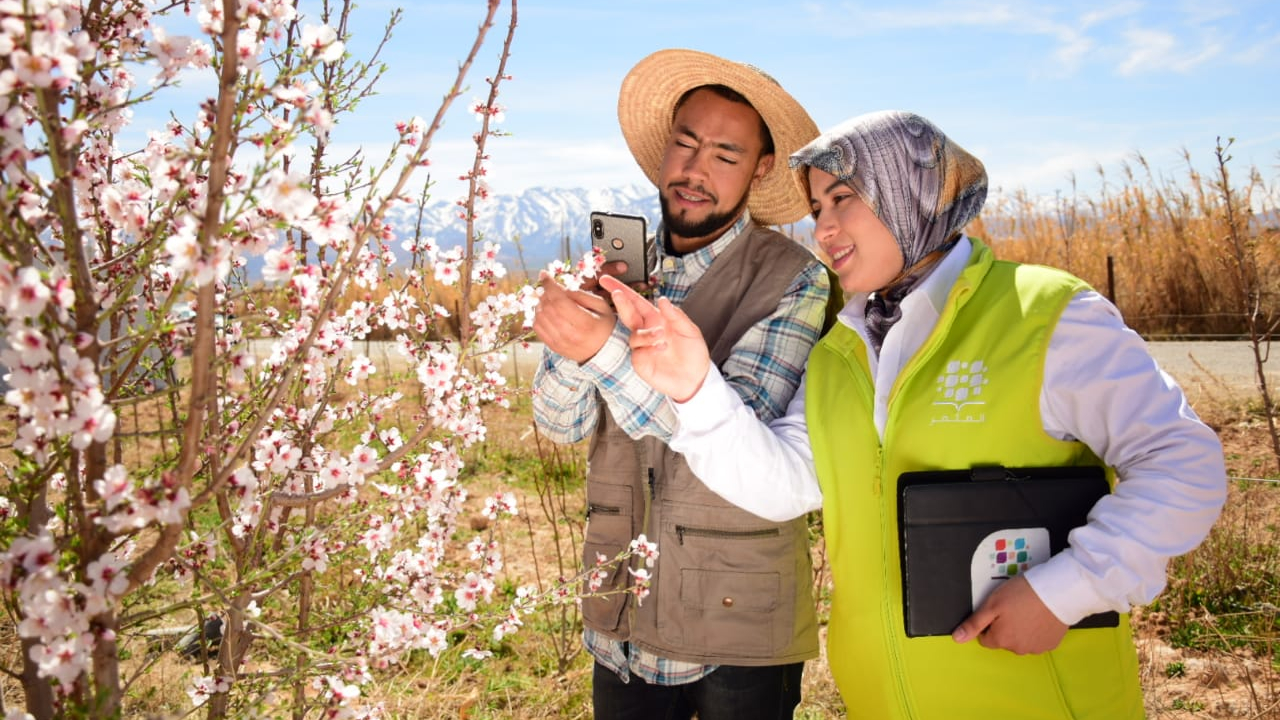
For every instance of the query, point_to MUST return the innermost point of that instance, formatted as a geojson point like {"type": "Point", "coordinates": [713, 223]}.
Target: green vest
{"type": "Point", "coordinates": [968, 397]}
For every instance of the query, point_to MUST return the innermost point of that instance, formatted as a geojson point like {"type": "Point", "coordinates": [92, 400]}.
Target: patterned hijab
{"type": "Point", "coordinates": [920, 184]}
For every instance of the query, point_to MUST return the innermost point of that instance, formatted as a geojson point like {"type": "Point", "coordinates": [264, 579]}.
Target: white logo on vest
{"type": "Point", "coordinates": [959, 392]}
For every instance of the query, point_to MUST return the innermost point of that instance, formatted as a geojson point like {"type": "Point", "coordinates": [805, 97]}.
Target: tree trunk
{"type": "Point", "coordinates": [38, 692]}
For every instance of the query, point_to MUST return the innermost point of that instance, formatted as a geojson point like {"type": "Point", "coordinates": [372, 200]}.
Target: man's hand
{"type": "Point", "coordinates": [618, 267]}
{"type": "Point", "coordinates": [667, 349]}
{"type": "Point", "coordinates": [574, 324]}
{"type": "Point", "coordinates": [612, 269]}
{"type": "Point", "coordinates": [1013, 618]}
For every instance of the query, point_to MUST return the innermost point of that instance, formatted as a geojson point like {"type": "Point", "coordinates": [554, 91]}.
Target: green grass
{"type": "Point", "coordinates": [1224, 594]}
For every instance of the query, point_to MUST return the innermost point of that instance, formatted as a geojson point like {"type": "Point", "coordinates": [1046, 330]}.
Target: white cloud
{"type": "Point", "coordinates": [563, 162]}
{"type": "Point", "coordinates": [1096, 17]}
{"type": "Point", "coordinates": [1257, 52]}
{"type": "Point", "coordinates": [1068, 48]}
{"type": "Point", "coordinates": [1047, 168]}
{"type": "Point", "coordinates": [1158, 50]}
{"type": "Point", "coordinates": [516, 165]}
{"type": "Point", "coordinates": [1198, 12]}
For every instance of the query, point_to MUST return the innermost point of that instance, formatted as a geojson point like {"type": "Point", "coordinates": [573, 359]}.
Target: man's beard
{"type": "Point", "coordinates": [680, 227]}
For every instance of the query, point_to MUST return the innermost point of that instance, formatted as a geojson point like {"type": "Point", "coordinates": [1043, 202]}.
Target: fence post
{"type": "Point", "coordinates": [1111, 279]}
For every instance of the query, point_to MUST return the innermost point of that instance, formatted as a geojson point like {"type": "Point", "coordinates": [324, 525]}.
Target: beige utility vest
{"type": "Point", "coordinates": [728, 588]}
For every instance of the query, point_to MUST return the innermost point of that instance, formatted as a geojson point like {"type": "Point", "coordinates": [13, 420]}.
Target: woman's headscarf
{"type": "Point", "coordinates": [922, 186]}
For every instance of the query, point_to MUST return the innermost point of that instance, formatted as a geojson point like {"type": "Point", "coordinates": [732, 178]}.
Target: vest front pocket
{"type": "Point", "coordinates": [734, 594]}
{"type": "Point", "coordinates": [609, 532]}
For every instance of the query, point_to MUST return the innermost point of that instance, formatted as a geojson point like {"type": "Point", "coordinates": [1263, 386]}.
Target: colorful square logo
{"type": "Point", "coordinates": [1011, 555]}
{"type": "Point", "coordinates": [1003, 555]}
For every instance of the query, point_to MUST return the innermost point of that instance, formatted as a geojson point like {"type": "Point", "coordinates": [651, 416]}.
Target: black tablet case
{"type": "Point", "coordinates": [944, 515]}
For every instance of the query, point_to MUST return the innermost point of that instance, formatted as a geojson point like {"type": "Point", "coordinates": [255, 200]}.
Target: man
{"type": "Point", "coordinates": [730, 619]}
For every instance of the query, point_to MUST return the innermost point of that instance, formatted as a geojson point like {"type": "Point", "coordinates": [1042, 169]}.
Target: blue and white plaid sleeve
{"type": "Point", "coordinates": [637, 408]}
{"type": "Point", "coordinates": [564, 399]}
{"type": "Point", "coordinates": [766, 365]}
{"type": "Point", "coordinates": [566, 403]}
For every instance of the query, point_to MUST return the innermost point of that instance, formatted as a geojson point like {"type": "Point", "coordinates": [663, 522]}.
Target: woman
{"type": "Point", "coordinates": [948, 359]}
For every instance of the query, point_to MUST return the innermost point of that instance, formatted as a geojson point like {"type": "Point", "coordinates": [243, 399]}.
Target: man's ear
{"type": "Point", "coordinates": [763, 166]}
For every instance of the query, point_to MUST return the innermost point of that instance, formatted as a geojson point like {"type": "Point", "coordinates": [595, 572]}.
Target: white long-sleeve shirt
{"type": "Point", "coordinates": [1101, 387]}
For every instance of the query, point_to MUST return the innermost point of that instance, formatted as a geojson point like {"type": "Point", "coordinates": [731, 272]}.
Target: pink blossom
{"type": "Point", "coordinates": [438, 372]}
{"type": "Point", "coordinates": [32, 348]}
{"type": "Point", "coordinates": [31, 69]}
{"type": "Point", "coordinates": [64, 659]}
{"type": "Point", "coordinates": [364, 460]}
{"type": "Point", "coordinates": [315, 555]}
{"type": "Point", "coordinates": [338, 689]}
{"type": "Point", "coordinates": [114, 488]}
{"type": "Point", "coordinates": [92, 422]}
{"type": "Point", "coordinates": [472, 590]}
{"type": "Point", "coordinates": [288, 195]}
{"type": "Point", "coordinates": [278, 264]}
{"type": "Point", "coordinates": [508, 626]}
{"type": "Point", "coordinates": [504, 503]}
{"type": "Point", "coordinates": [481, 109]}
{"type": "Point", "coordinates": [203, 688]}
{"type": "Point", "coordinates": [106, 575]}
{"type": "Point", "coordinates": [335, 473]}
{"type": "Point", "coordinates": [361, 368]}
{"type": "Point", "coordinates": [323, 42]}
{"type": "Point", "coordinates": [28, 295]}
{"type": "Point", "coordinates": [645, 549]}
{"type": "Point", "coordinates": [641, 587]}
{"type": "Point", "coordinates": [175, 53]}
{"type": "Point", "coordinates": [184, 251]}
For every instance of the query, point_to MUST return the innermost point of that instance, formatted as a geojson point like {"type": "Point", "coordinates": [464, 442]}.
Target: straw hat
{"type": "Point", "coordinates": [646, 107]}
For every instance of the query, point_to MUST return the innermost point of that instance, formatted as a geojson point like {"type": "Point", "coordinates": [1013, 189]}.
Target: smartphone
{"type": "Point", "coordinates": [625, 237]}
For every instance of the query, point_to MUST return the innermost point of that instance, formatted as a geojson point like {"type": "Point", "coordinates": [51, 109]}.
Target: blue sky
{"type": "Point", "coordinates": [1037, 90]}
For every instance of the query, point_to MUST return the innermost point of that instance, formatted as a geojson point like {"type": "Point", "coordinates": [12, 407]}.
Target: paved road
{"type": "Point", "coordinates": [1214, 366]}
{"type": "Point", "coordinates": [1200, 367]}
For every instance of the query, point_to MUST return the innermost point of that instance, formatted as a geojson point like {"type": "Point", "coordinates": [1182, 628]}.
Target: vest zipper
{"type": "Point", "coordinates": [893, 632]}
{"type": "Point", "coordinates": [603, 509]}
{"type": "Point", "coordinates": [682, 530]}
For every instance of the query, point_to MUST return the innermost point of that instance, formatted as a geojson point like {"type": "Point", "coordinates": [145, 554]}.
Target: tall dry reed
{"type": "Point", "coordinates": [1173, 268]}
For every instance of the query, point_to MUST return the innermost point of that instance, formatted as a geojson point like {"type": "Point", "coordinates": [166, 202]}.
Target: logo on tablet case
{"type": "Point", "coordinates": [1003, 555]}
{"type": "Point", "coordinates": [959, 391]}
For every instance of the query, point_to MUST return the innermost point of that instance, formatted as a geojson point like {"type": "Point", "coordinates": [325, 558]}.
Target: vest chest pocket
{"type": "Point", "coordinates": [609, 532]}
{"type": "Point", "coordinates": [726, 589]}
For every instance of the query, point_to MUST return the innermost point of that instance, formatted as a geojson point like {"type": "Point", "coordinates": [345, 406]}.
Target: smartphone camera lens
{"type": "Point", "coordinates": [597, 229]}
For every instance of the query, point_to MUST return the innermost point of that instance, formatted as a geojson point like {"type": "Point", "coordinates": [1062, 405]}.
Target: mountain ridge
{"type": "Point", "coordinates": [536, 226]}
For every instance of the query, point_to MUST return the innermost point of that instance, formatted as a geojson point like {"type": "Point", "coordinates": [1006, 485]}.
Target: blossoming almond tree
{"type": "Point", "coordinates": [269, 460]}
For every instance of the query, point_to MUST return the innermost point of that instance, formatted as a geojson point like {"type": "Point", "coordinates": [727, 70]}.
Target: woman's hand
{"type": "Point", "coordinates": [667, 349]}
{"type": "Point", "coordinates": [1013, 618]}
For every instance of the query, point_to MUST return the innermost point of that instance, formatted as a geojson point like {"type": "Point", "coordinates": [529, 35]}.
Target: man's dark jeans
{"type": "Point", "coordinates": [728, 693]}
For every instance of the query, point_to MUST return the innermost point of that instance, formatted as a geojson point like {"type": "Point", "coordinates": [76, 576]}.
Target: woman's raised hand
{"type": "Point", "coordinates": [667, 349]}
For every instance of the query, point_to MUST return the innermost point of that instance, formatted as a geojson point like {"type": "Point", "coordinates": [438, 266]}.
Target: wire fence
{"type": "Point", "coordinates": [1268, 481]}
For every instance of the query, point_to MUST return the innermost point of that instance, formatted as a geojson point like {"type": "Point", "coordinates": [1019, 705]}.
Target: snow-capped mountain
{"type": "Point", "coordinates": [534, 227]}
{"type": "Point", "coordinates": [541, 224]}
